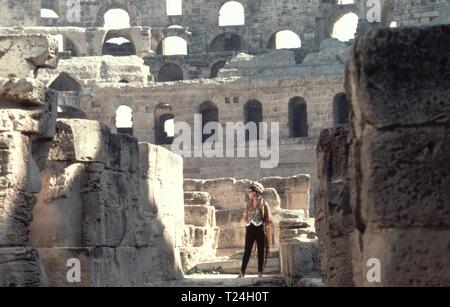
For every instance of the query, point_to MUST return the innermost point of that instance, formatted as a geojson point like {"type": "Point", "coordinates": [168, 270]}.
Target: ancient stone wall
{"type": "Point", "coordinates": [228, 193]}
{"type": "Point", "coordinates": [334, 218]}
{"type": "Point", "coordinates": [298, 251]}
{"type": "Point", "coordinates": [398, 167]}
{"type": "Point", "coordinates": [413, 13]}
{"type": "Point", "coordinates": [201, 234]}
{"type": "Point", "coordinates": [27, 124]}
{"type": "Point", "coordinates": [90, 42]}
{"type": "Point", "coordinates": [25, 13]}
{"type": "Point", "coordinates": [106, 200]}
{"type": "Point", "coordinates": [262, 19]}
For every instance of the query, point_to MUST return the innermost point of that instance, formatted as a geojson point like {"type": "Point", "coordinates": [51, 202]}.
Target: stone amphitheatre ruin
{"type": "Point", "coordinates": [87, 170]}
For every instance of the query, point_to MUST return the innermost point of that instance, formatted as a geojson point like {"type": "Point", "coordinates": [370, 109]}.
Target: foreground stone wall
{"type": "Point", "coordinates": [334, 218]}
{"type": "Point", "coordinates": [111, 203]}
{"type": "Point", "coordinates": [106, 200]}
{"type": "Point", "coordinates": [27, 124]}
{"type": "Point", "coordinates": [400, 169]}
{"type": "Point", "coordinates": [398, 163]}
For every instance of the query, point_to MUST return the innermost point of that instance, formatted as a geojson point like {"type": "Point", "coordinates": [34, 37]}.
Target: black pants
{"type": "Point", "coordinates": [254, 233]}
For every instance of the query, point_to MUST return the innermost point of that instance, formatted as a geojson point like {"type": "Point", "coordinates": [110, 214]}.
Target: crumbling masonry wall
{"type": "Point", "coordinates": [106, 202]}
{"type": "Point", "coordinates": [334, 218]}
{"type": "Point", "coordinates": [398, 159]}
{"type": "Point", "coordinates": [27, 124]}
{"type": "Point", "coordinates": [114, 204]}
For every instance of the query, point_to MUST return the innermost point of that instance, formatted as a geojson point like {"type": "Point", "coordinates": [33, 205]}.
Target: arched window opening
{"type": "Point", "coordinates": [345, 28]}
{"type": "Point", "coordinates": [116, 19]}
{"type": "Point", "coordinates": [232, 13]}
{"type": "Point", "coordinates": [70, 112]}
{"type": "Point", "coordinates": [216, 67]}
{"type": "Point", "coordinates": [65, 83]}
{"type": "Point", "coordinates": [48, 14]}
{"type": "Point", "coordinates": [227, 42]}
{"type": "Point", "coordinates": [340, 109]}
{"type": "Point", "coordinates": [170, 72]}
{"type": "Point", "coordinates": [164, 125]}
{"type": "Point", "coordinates": [298, 118]}
{"type": "Point", "coordinates": [124, 120]}
{"type": "Point", "coordinates": [174, 7]}
{"type": "Point", "coordinates": [284, 39]}
{"type": "Point", "coordinates": [253, 112]}
{"type": "Point", "coordinates": [172, 45]}
{"type": "Point", "coordinates": [118, 46]}
{"type": "Point", "coordinates": [210, 114]}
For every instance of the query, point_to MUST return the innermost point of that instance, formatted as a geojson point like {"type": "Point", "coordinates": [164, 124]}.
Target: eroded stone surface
{"type": "Point", "coordinates": [27, 123]}
{"type": "Point", "coordinates": [399, 171]}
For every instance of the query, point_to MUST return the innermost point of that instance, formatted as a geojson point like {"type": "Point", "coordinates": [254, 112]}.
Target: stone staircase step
{"type": "Point", "coordinates": [233, 266]}
{"type": "Point", "coordinates": [224, 280]}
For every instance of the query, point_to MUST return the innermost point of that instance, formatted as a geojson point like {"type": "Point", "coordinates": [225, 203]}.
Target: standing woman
{"type": "Point", "coordinates": [256, 216]}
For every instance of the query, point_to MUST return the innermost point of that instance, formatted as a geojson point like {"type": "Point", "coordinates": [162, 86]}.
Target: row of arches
{"type": "Point", "coordinates": [172, 72]}
{"type": "Point", "coordinates": [164, 118]}
{"type": "Point", "coordinates": [230, 13]}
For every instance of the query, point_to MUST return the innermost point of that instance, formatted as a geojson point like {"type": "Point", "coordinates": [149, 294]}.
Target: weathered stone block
{"type": "Point", "coordinates": [15, 217]}
{"type": "Point", "coordinates": [21, 267]}
{"type": "Point", "coordinates": [59, 207]}
{"type": "Point", "coordinates": [197, 198]}
{"type": "Point", "coordinates": [22, 55]}
{"type": "Point", "coordinates": [222, 217]}
{"type": "Point", "coordinates": [391, 71]}
{"type": "Point", "coordinates": [332, 154]}
{"type": "Point", "coordinates": [15, 154]}
{"type": "Point", "coordinates": [124, 153]}
{"type": "Point", "coordinates": [80, 140]}
{"type": "Point", "coordinates": [162, 189]}
{"type": "Point", "coordinates": [409, 257]}
{"type": "Point", "coordinates": [298, 258]}
{"type": "Point", "coordinates": [200, 216]}
{"type": "Point", "coordinates": [20, 115]}
{"type": "Point", "coordinates": [237, 217]}
{"type": "Point", "coordinates": [23, 91]}
{"type": "Point", "coordinates": [407, 181]}
{"type": "Point", "coordinates": [227, 238]}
